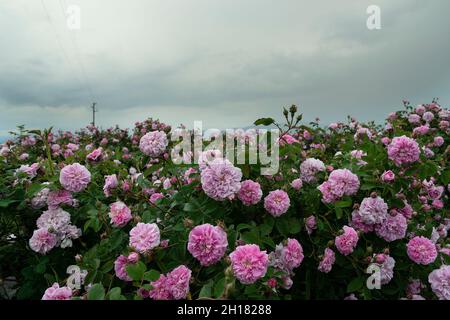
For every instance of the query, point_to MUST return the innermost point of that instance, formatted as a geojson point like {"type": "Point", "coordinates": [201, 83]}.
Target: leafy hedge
{"type": "Point", "coordinates": [360, 148]}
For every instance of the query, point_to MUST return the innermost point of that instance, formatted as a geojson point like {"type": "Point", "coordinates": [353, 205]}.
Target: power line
{"type": "Point", "coordinates": [73, 39]}
{"type": "Point", "coordinates": [61, 47]}
{"type": "Point", "coordinates": [78, 55]}
{"type": "Point", "coordinates": [58, 39]}
{"type": "Point", "coordinates": [80, 63]}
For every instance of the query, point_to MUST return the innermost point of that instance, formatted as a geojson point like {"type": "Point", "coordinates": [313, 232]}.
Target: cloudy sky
{"type": "Point", "coordinates": [225, 62]}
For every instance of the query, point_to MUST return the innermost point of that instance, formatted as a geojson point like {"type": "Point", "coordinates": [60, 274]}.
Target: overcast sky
{"type": "Point", "coordinates": [225, 62]}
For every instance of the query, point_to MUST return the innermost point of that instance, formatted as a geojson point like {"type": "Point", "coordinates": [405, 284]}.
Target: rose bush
{"type": "Point", "coordinates": [346, 197]}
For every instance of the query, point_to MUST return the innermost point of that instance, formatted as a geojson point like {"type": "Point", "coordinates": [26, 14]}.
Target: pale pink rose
{"type": "Point", "coordinates": [57, 198]}
{"type": "Point", "coordinates": [326, 264]}
{"type": "Point", "coordinates": [144, 237]}
{"type": "Point", "coordinates": [120, 268]}
{"type": "Point", "coordinates": [250, 192]}
{"type": "Point", "coordinates": [74, 177]}
{"type": "Point", "coordinates": [111, 183]}
{"type": "Point", "coordinates": [403, 150]}
{"type": "Point", "coordinates": [421, 250]}
{"type": "Point", "coordinates": [310, 224]}
{"type": "Point", "coordinates": [249, 263]}
{"type": "Point", "coordinates": [388, 176]}
{"type": "Point", "coordinates": [277, 202]}
{"type": "Point", "coordinates": [207, 244]}
{"type": "Point", "coordinates": [154, 143]}
{"type": "Point", "coordinates": [287, 139]}
{"type": "Point", "coordinates": [120, 214]}
{"type": "Point", "coordinates": [155, 197]}
{"type": "Point", "coordinates": [95, 155]}
{"type": "Point", "coordinates": [297, 184]}
{"type": "Point", "coordinates": [42, 241]}
{"type": "Point", "coordinates": [347, 242]}
{"type": "Point", "coordinates": [29, 170]}
{"type": "Point", "coordinates": [55, 292]}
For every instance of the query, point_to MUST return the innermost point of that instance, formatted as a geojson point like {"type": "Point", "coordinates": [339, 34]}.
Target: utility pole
{"type": "Point", "coordinates": [94, 110]}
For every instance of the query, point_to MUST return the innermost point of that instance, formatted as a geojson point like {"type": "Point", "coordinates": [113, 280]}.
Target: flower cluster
{"type": "Point", "coordinates": [287, 257]}
{"type": "Point", "coordinates": [347, 241]}
{"type": "Point", "coordinates": [220, 179]}
{"type": "Point", "coordinates": [309, 168]}
{"type": "Point", "coordinates": [145, 237]}
{"type": "Point", "coordinates": [119, 213]}
{"type": "Point", "coordinates": [54, 229]}
{"type": "Point", "coordinates": [207, 244]}
{"type": "Point", "coordinates": [403, 150]}
{"type": "Point", "coordinates": [277, 202]}
{"type": "Point", "coordinates": [74, 177]}
{"type": "Point", "coordinates": [249, 263]}
{"type": "Point", "coordinates": [328, 259]}
{"type": "Point", "coordinates": [173, 286]}
{"type": "Point", "coordinates": [250, 192]}
{"type": "Point", "coordinates": [154, 143]}
{"type": "Point", "coordinates": [120, 266]}
{"type": "Point", "coordinates": [421, 250]}
{"type": "Point", "coordinates": [340, 182]}
{"type": "Point", "coordinates": [386, 265]}
{"type": "Point", "coordinates": [347, 198]}
{"type": "Point", "coordinates": [440, 282]}
{"type": "Point", "coordinates": [55, 292]}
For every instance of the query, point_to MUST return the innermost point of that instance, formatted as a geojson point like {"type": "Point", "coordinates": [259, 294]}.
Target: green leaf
{"type": "Point", "coordinates": [343, 204]}
{"type": "Point", "coordinates": [243, 226]}
{"type": "Point", "coordinates": [320, 224]}
{"type": "Point", "coordinates": [445, 177]}
{"type": "Point", "coordinates": [148, 216]}
{"type": "Point", "coordinates": [151, 275]}
{"type": "Point", "coordinates": [205, 292]}
{"type": "Point", "coordinates": [367, 186]}
{"type": "Point", "coordinates": [251, 236]}
{"type": "Point", "coordinates": [115, 294]}
{"type": "Point", "coordinates": [35, 132]}
{"type": "Point", "coordinates": [153, 168]}
{"type": "Point", "coordinates": [142, 182]}
{"type": "Point", "coordinates": [264, 122]}
{"type": "Point", "coordinates": [294, 226]}
{"type": "Point", "coordinates": [96, 292]}
{"type": "Point", "coordinates": [252, 291]}
{"type": "Point", "coordinates": [190, 207]}
{"type": "Point", "coordinates": [367, 294]}
{"type": "Point", "coordinates": [219, 287]}
{"type": "Point", "coordinates": [282, 226]}
{"type": "Point", "coordinates": [338, 212]}
{"type": "Point", "coordinates": [136, 271]}
{"type": "Point", "coordinates": [41, 267]}
{"type": "Point", "coordinates": [355, 284]}
{"type": "Point", "coordinates": [179, 227]}
{"type": "Point", "coordinates": [34, 188]}
{"type": "Point", "coordinates": [269, 242]}
{"type": "Point", "coordinates": [246, 169]}
{"type": "Point", "coordinates": [266, 228]}
{"type": "Point", "coordinates": [107, 266]}
{"type": "Point", "coordinates": [5, 203]}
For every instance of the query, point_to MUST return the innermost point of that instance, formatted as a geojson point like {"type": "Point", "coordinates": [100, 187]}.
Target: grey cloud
{"type": "Point", "coordinates": [226, 62]}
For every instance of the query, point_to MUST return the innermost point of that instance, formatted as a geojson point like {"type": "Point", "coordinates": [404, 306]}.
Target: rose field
{"type": "Point", "coordinates": [354, 211]}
